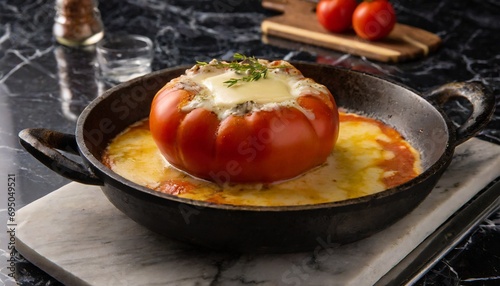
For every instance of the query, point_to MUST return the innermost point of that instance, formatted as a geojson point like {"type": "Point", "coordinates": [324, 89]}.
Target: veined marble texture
{"type": "Point", "coordinates": [43, 84]}
{"type": "Point", "coordinates": [86, 241]}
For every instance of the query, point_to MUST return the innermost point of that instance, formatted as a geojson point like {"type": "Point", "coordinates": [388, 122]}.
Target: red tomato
{"type": "Point", "coordinates": [335, 15]}
{"type": "Point", "coordinates": [373, 20]}
{"type": "Point", "coordinates": [257, 147]}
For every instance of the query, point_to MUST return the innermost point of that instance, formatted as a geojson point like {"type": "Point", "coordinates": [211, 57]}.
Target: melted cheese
{"type": "Point", "coordinates": [267, 90]}
{"type": "Point", "coordinates": [369, 157]}
{"type": "Point", "coordinates": [282, 85]}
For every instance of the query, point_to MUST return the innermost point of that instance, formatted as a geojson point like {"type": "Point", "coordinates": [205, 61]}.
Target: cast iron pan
{"type": "Point", "coordinates": [268, 229]}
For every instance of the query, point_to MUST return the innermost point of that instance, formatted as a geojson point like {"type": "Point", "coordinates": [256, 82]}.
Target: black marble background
{"type": "Point", "coordinates": [43, 84]}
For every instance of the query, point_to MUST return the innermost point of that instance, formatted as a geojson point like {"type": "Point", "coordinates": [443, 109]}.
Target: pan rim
{"type": "Point", "coordinates": [138, 190]}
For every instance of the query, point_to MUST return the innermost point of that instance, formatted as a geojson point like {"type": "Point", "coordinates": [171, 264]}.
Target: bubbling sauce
{"type": "Point", "coordinates": [369, 157]}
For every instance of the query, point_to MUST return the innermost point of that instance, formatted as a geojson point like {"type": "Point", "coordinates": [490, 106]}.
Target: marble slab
{"type": "Point", "coordinates": [77, 236]}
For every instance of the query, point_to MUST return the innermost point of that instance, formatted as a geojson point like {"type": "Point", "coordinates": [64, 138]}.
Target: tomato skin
{"type": "Point", "coordinates": [258, 147]}
{"type": "Point", "coordinates": [374, 20]}
{"type": "Point", "coordinates": [335, 15]}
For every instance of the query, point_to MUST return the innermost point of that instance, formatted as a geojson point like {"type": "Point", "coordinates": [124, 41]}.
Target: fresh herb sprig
{"type": "Point", "coordinates": [250, 67]}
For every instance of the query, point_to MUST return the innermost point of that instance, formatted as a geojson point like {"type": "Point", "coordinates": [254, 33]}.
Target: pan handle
{"type": "Point", "coordinates": [480, 97]}
{"type": "Point", "coordinates": [43, 145]}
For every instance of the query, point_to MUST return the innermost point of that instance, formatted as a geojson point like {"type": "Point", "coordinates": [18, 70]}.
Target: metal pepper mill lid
{"type": "Point", "coordinates": [77, 23]}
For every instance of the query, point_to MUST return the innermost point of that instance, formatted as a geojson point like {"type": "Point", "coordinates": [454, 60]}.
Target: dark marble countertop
{"type": "Point", "coordinates": [44, 84]}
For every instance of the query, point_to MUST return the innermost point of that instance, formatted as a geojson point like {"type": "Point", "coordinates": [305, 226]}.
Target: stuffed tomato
{"type": "Point", "coordinates": [249, 121]}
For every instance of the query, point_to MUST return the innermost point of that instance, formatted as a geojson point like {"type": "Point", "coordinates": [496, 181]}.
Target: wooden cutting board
{"type": "Point", "coordinates": [298, 22]}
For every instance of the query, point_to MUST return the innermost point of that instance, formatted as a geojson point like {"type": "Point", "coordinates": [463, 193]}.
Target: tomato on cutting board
{"type": "Point", "coordinates": [373, 19]}
{"type": "Point", "coordinates": [336, 15]}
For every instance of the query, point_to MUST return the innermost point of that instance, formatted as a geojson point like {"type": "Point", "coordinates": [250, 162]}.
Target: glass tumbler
{"type": "Point", "coordinates": [122, 58]}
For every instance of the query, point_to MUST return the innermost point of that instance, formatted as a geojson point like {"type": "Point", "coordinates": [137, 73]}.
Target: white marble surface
{"type": "Point", "coordinates": [77, 236]}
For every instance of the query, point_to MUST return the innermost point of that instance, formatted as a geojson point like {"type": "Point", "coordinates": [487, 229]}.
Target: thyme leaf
{"type": "Point", "coordinates": [249, 67]}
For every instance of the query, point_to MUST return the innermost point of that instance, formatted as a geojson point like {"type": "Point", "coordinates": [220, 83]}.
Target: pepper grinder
{"type": "Point", "coordinates": [77, 23]}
